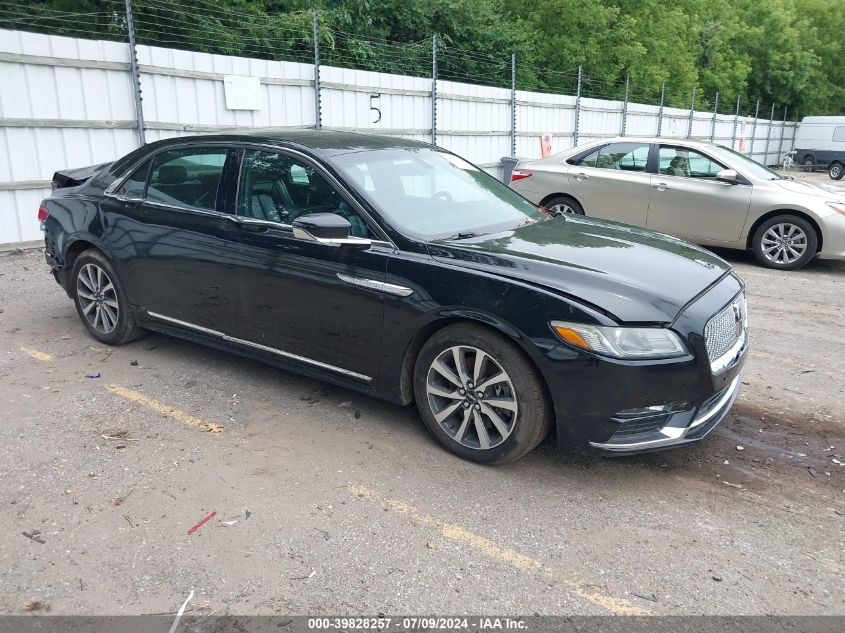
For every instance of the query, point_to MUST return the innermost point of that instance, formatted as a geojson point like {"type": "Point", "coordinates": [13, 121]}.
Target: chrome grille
{"type": "Point", "coordinates": [725, 329]}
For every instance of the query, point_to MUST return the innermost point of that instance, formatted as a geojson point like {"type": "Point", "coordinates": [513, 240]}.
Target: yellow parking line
{"type": "Point", "coordinates": [44, 357]}
{"type": "Point", "coordinates": [489, 548]}
{"type": "Point", "coordinates": [164, 409]}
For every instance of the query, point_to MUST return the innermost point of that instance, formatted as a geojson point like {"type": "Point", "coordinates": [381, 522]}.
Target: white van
{"type": "Point", "coordinates": [820, 142]}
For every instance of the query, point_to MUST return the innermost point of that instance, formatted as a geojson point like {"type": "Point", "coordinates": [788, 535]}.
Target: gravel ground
{"type": "Point", "coordinates": [332, 502]}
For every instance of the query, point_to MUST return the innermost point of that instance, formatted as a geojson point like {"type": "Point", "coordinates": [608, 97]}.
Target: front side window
{"type": "Point", "coordinates": [687, 163]}
{"type": "Point", "coordinates": [277, 187]}
{"type": "Point", "coordinates": [621, 156]}
{"type": "Point", "coordinates": [187, 177]}
{"type": "Point", "coordinates": [431, 194]}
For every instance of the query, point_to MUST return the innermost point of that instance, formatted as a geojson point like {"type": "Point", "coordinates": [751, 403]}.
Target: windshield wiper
{"type": "Point", "coordinates": [460, 236]}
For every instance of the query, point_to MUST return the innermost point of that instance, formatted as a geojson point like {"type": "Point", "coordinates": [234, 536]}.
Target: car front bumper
{"type": "Point", "coordinates": [833, 237]}
{"type": "Point", "coordinates": [677, 428]}
{"type": "Point", "coordinates": [620, 407]}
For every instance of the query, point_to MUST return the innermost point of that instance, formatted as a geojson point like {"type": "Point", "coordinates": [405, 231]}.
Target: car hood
{"type": "Point", "coordinates": [633, 274]}
{"type": "Point", "coordinates": [828, 192]}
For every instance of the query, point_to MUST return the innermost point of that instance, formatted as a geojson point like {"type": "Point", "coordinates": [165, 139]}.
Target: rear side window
{"type": "Point", "coordinates": [839, 133]}
{"type": "Point", "coordinates": [622, 156]}
{"type": "Point", "coordinates": [187, 177]}
{"type": "Point", "coordinates": [136, 183]}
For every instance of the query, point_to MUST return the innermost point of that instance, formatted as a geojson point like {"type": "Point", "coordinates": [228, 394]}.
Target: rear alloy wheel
{"type": "Point", "coordinates": [564, 205]}
{"type": "Point", "coordinates": [809, 164]}
{"type": "Point", "coordinates": [786, 242]}
{"type": "Point", "coordinates": [101, 301]}
{"type": "Point", "coordinates": [836, 171]}
{"type": "Point", "coordinates": [479, 395]}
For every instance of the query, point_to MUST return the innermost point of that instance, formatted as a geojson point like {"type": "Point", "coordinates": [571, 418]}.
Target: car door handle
{"type": "Point", "coordinates": [661, 186]}
{"type": "Point", "coordinates": [581, 176]}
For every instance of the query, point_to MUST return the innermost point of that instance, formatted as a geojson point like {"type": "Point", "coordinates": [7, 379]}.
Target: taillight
{"type": "Point", "coordinates": [42, 213]}
{"type": "Point", "coordinates": [519, 174]}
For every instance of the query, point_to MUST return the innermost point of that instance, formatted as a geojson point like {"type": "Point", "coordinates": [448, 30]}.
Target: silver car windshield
{"type": "Point", "coordinates": [748, 166]}
{"type": "Point", "coordinates": [433, 195]}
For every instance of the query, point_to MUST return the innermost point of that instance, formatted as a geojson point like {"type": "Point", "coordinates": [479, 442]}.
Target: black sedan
{"type": "Point", "coordinates": [400, 270]}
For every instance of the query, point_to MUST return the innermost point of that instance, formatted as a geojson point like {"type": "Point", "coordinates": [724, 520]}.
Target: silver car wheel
{"type": "Point", "coordinates": [562, 208]}
{"type": "Point", "coordinates": [784, 243]}
{"type": "Point", "coordinates": [836, 172]}
{"type": "Point", "coordinates": [472, 397]}
{"type": "Point", "coordinates": [97, 298]}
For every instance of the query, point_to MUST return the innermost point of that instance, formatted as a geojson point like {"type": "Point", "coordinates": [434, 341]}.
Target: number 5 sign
{"type": "Point", "coordinates": [374, 107]}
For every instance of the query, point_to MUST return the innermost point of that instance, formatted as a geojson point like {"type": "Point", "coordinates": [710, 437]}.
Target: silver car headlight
{"type": "Point", "coordinates": [621, 342]}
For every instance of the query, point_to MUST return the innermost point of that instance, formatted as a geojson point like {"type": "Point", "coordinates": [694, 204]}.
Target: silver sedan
{"type": "Point", "coordinates": [699, 191]}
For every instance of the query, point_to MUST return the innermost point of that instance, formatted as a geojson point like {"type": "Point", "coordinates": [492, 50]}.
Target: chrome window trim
{"type": "Point", "coordinates": [265, 348]}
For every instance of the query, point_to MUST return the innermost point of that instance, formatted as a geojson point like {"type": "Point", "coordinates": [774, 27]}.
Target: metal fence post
{"type": "Point", "coordinates": [713, 122]}
{"type": "Point", "coordinates": [660, 110]}
{"type": "Point", "coordinates": [782, 132]}
{"type": "Point", "coordinates": [736, 121]}
{"type": "Point", "coordinates": [691, 113]}
{"type": "Point", "coordinates": [434, 89]}
{"type": "Point", "coordinates": [625, 103]}
{"type": "Point", "coordinates": [754, 129]}
{"type": "Point", "coordinates": [318, 115]}
{"type": "Point", "coordinates": [577, 106]}
{"type": "Point", "coordinates": [769, 136]}
{"type": "Point", "coordinates": [513, 104]}
{"type": "Point", "coordinates": [136, 75]}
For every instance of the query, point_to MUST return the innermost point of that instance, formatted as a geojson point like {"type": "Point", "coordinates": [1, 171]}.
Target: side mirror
{"type": "Point", "coordinates": [326, 228]}
{"type": "Point", "coordinates": [727, 175]}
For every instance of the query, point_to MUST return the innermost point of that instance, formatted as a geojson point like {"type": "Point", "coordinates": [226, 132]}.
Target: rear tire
{"type": "Point", "coordinates": [809, 164]}
{"type": "Point", "coordinates": [836, 171]}
{"type": "Point", "coordinates": [785, 242]}
{"type": "Point", "coordinates": [101, 300]}
{"type": "Point", "coordinates": [479, 395]}
{"type": "Point", "coordinates": [564, 205]}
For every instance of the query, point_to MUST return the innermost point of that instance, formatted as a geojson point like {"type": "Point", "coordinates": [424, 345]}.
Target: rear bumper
{"type": "Point", "coordinates": [679, 428]}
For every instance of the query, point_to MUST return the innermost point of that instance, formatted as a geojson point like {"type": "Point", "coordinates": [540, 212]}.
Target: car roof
{"type": "Point", "coordinates": [654, 139]}
{"type": "Point", "coordinates": [320, 142]}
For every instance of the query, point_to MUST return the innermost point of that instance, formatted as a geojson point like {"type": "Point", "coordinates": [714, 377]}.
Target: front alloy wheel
{"type": "Point", "coordinates": [480, 395]}
{"type": "Point", "coordinates": [785, 241]}
{"type": "Point", "coordinates": [472, 397]}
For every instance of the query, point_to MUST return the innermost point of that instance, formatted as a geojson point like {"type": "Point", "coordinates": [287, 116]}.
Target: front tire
{"type": "Point", "coordinates": [836, 171]}
{"type": "Point", "coordinates": [785, 242]}
{"type": "Point", "coordinates": [479, 395]}
{"type": "Point", "coordinates": [101, 300]}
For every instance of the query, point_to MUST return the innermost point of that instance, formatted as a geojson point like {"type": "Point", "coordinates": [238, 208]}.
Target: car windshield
{"type": "Point", "coordinates": [748, 166]}
{"type": "Point", "coordinates": [431, 194]}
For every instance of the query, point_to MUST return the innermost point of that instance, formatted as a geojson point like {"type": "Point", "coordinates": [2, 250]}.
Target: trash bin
{"type": "Point", "coordinates": [508, 163]}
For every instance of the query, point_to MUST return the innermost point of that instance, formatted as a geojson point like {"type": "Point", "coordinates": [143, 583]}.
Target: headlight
{"type": "Point", "coordinates": [839, 207]}
{"type": "Point", "coordinates": [621, 342]}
